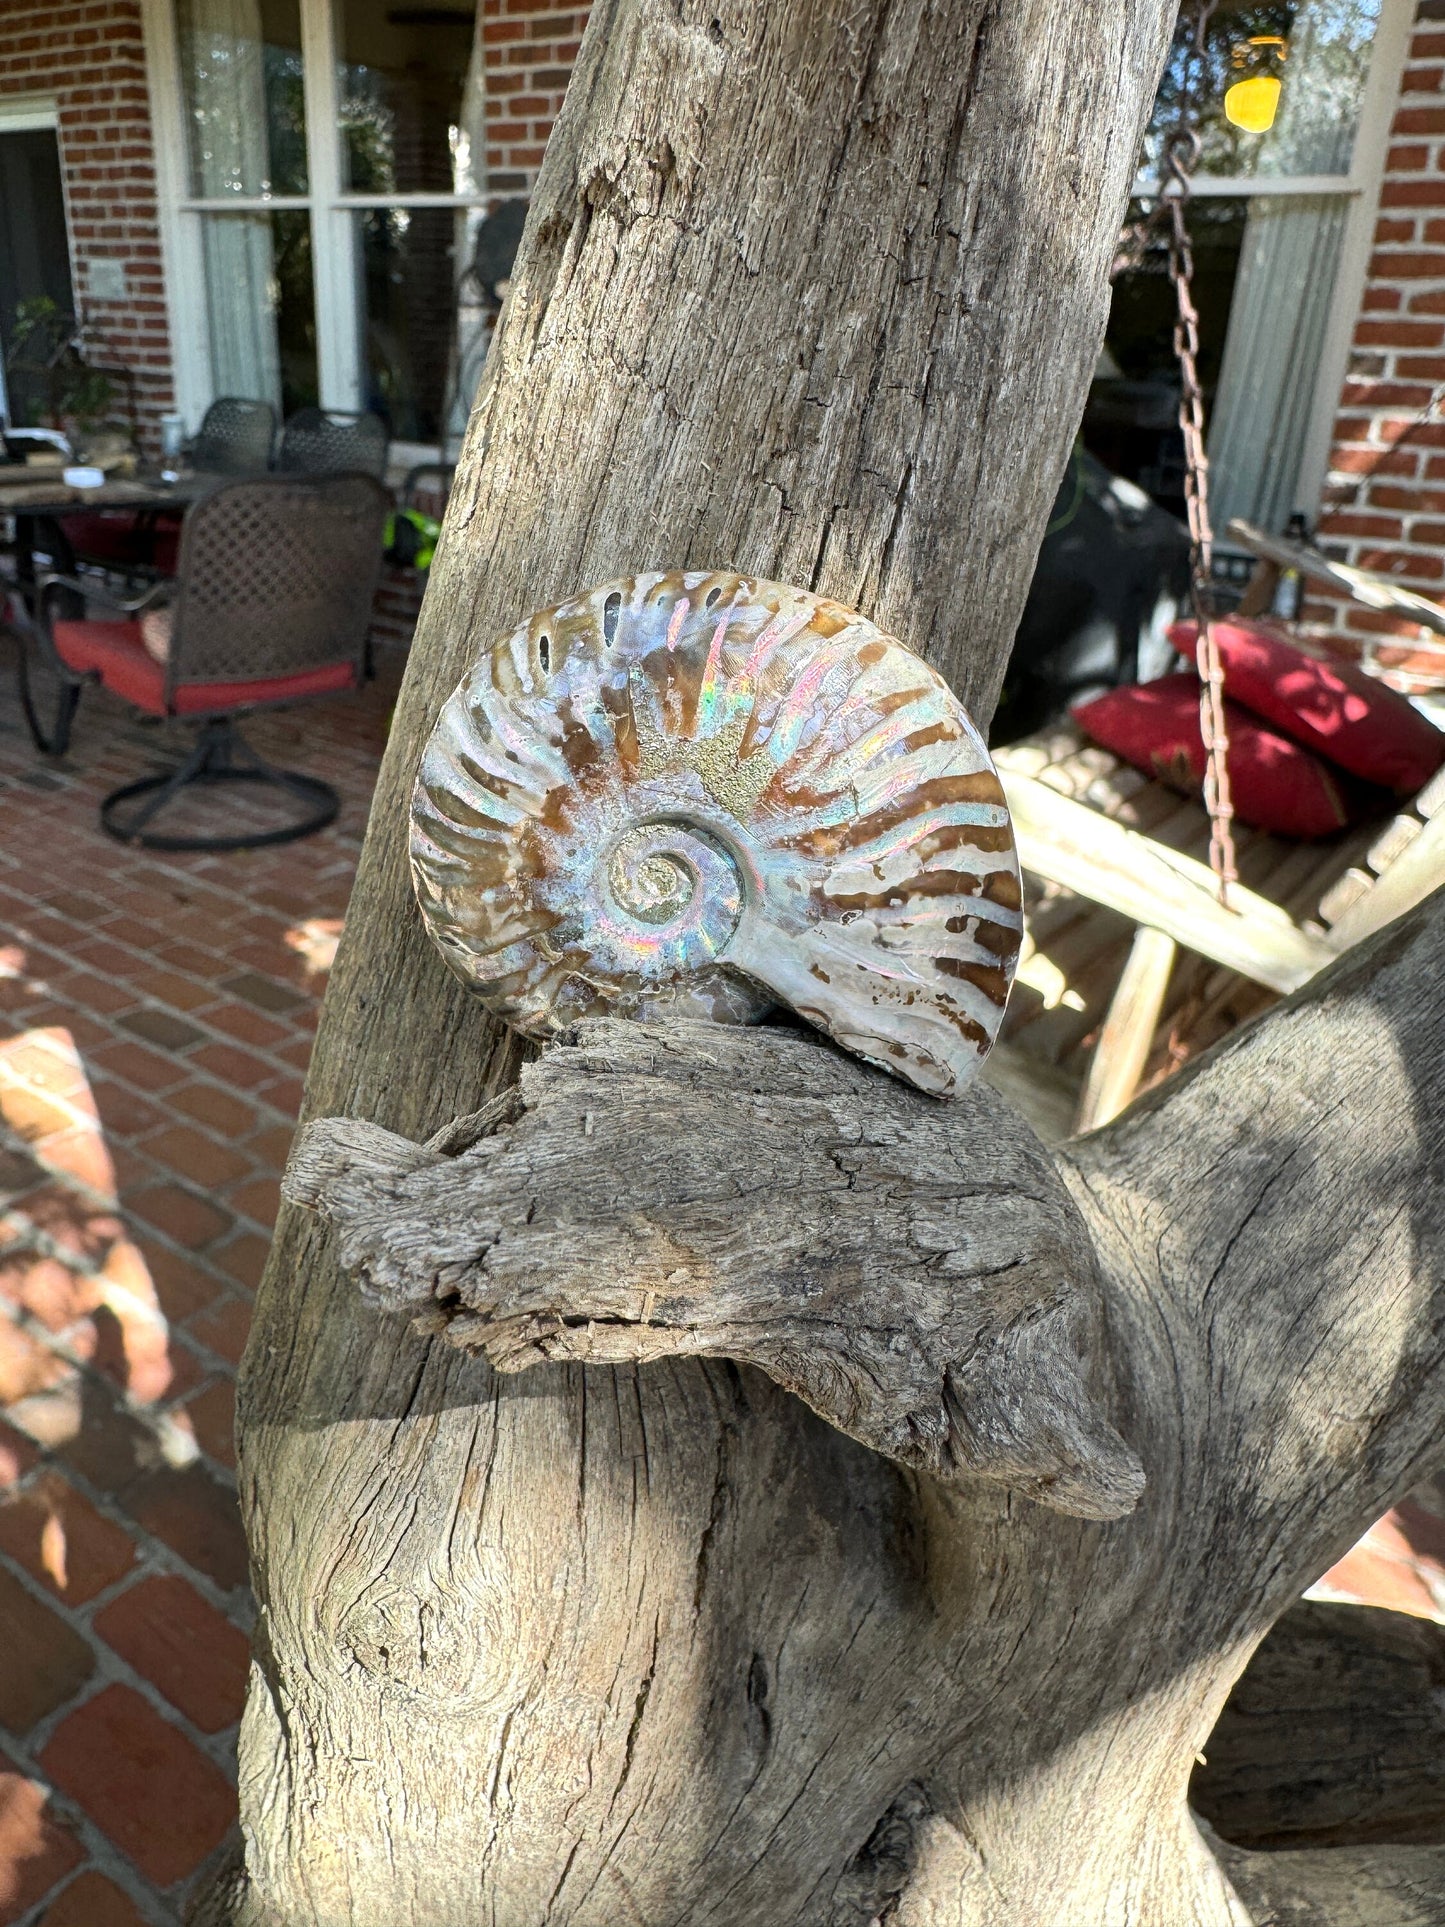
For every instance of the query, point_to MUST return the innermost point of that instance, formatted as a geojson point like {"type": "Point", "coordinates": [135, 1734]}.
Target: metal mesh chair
{"type": "Point", "coordinates": [330, 441]}
{"type": "Point", "coordinates": [272, 605]}
{"type": "Point", "coordinates": [235, 437]}
{"type": "Point", "coordinates": [428, 487]}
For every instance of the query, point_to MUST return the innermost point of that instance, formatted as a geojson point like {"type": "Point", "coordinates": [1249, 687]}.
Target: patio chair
{"type": "Point", "coordinates": [333, 441]}
{"type": "Point", "coordinates": [271, 606]}
{"type": "Point", "coordinates": [235, 438]}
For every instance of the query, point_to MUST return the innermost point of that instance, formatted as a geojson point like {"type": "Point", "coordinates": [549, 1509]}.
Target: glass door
{"type": "Point", "coordinates": [34, 264]}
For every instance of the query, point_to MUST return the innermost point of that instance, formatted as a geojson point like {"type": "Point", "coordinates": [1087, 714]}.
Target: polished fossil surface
{"type": "Point", "coordinates": [707, 795]}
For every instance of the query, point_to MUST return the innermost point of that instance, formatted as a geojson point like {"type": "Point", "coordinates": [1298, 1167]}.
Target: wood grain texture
{"type": "Point", "coordinates": [1334, 1736]}
{"type": "Point", "coordinates": [914, 1270]}
{"type": "Point", "coordinates": [1127, 1035]}
{"type": "Point", "coordinates": [1151, 883]}
{"type": "Point", "coordinates": [814, 291]}
{"type": "Point", "coordinates": [999, 1682]}
{"type": "Point", "coordinates": [1342, 1887]}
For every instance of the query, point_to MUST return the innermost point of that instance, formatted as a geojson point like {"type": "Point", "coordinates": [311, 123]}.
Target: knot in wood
{"type": "Point", "coordinates": [442, 1651]}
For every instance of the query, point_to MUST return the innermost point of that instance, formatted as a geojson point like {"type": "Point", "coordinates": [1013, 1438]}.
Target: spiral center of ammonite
{"type": "Point", "coordinates": [654, 888]}
{"type": "Point", "coordinates": [668, 897]}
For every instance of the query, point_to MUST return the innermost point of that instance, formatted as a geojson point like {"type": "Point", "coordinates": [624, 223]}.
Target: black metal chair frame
{"type": "Point", "coordinates": [209, 644]}
{"type": "Point", "coordinates": [221, 755]}
{"type": "Point", "coordinates": [236, 437]}
{"type": "Point", "coordinates": [333, 441]}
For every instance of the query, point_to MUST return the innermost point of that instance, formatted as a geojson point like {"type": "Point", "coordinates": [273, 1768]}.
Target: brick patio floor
{"type": "Point", "coordinates": [156, 1017]}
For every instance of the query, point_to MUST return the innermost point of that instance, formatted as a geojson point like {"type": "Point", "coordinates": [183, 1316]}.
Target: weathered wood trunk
{"type": "Point", "coordinates": [813, 290]}
{"type": "Point", "coordinates": [1335, 1736]}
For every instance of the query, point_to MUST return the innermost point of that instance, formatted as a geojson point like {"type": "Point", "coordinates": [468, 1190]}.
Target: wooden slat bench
{"type": "Point", "coordinates": [1118, 885]}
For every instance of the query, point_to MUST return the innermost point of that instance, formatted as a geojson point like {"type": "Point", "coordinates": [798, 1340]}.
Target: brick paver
{"type": "Point", "coordinates": [147, 1786]}
{"type": "Point", "coordinates": [156, 1017]}
{"type": "Point", "coordinates": [37, 1848]}
{"type": "Point", "coordinates": [90, 1900]}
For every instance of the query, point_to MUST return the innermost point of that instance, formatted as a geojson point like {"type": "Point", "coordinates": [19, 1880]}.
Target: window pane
{"type": "Point", "coordinates": [245, 118]}
{"type": "Point", "coordinates": [1321, 66]}
{"type": "Point", "coordinates": [1264, 279]}
{"type": "Point", "coordinates": [1131, 421]}
{"type": "Point", "coordinates": [1289, 258]}
{"type": "Point", "coordinates": [259, 306]}
{"type": "Point", "coordinates": [410, 85]}
{"type": "Point", "coordinates": [423, 346]}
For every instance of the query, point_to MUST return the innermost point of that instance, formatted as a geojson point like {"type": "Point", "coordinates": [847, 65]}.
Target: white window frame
{"type": "Point", "coordinates": [340, 364]}
{"type": "Point", "coordinates": [1361, 188]}
{"type": "Point", "coordinates": [29, 114]}
{"type": "Point", "coordinates": [340, 369]}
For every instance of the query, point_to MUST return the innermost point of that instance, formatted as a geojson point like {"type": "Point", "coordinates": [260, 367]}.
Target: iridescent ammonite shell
{"type": "Point", "coordinates": [701, 795]}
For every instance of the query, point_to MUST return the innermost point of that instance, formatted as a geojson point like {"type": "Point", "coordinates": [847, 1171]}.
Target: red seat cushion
{"type": "Point", "coordinates": [114, 651]}
{"type": "Point", "coordinates": [1330, 707]}
{"type": "Point", "coordinates": [1275, 784]}
{"type": "Point", "coordinates": [192, 698]}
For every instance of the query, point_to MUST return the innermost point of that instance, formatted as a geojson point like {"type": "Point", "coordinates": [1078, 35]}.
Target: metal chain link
{"type": "Point", "coordinates": [1181, 158]}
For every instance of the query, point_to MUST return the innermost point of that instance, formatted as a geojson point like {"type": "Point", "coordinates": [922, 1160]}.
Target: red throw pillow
{"type": "Point", "coordinates": [1275, 784]}
{"type": "Point", "coordinates": [1330, 707]}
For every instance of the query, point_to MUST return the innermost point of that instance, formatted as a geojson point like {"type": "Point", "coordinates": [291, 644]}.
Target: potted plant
{"type": "Point", "coordinates": [48, 374]}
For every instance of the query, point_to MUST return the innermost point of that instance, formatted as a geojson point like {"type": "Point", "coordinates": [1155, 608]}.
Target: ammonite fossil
{"type": "Point", "coordinates": [702, 795]}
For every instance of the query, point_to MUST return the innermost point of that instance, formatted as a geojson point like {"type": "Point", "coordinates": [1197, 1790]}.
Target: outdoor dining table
{"type": "Point", "coordinates": [28, 495]}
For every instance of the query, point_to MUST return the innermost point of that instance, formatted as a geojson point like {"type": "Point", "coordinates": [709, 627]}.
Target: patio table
{"type": "Point", "coordinates": [28, 495]}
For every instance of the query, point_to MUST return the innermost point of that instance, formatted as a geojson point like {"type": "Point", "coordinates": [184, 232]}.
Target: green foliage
{"type": "Point", "coordinates": [45, 357]}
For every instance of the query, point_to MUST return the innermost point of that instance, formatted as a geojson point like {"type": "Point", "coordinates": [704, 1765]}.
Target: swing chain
{"type": "Point", "coordinates": [1181, 158]}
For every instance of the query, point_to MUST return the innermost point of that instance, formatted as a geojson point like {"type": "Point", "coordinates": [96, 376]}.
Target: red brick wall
{"type": "Point", "coordinates": [89, 55]}
{"type": "Point", "coordinates": [529, 51]}
{"type": "Point", "coordinates": [1384, 505]}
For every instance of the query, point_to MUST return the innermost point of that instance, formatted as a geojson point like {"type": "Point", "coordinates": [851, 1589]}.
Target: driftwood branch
{"type": "Point", "coordinates": [915, 1271]}
{"type": "Point", "coordinates": [1335, 1737]}
{"type": "Point", "coordinates": [814, 290]}
{"type": "Point", "coordinates": [1250, 1277]}
{"type": "Point", "coordinates": [1273, 1226]}
{"type": "Point", "coordinates": [918, 1273]}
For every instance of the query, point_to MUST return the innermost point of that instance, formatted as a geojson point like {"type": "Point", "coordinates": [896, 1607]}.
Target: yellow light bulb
{"type": "Point", "coordinates": [1252, 104]}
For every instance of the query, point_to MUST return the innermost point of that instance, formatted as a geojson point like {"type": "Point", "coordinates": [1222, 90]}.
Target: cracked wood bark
{"type": "Point", "coordinates": [1335, 1736]}
{"type": "Point", "coordinates": [928, 1291]}
{"type": "Point", "coordinates": [1017, 1695]}
{"type": "Point", "coordinates": [814, 290]}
